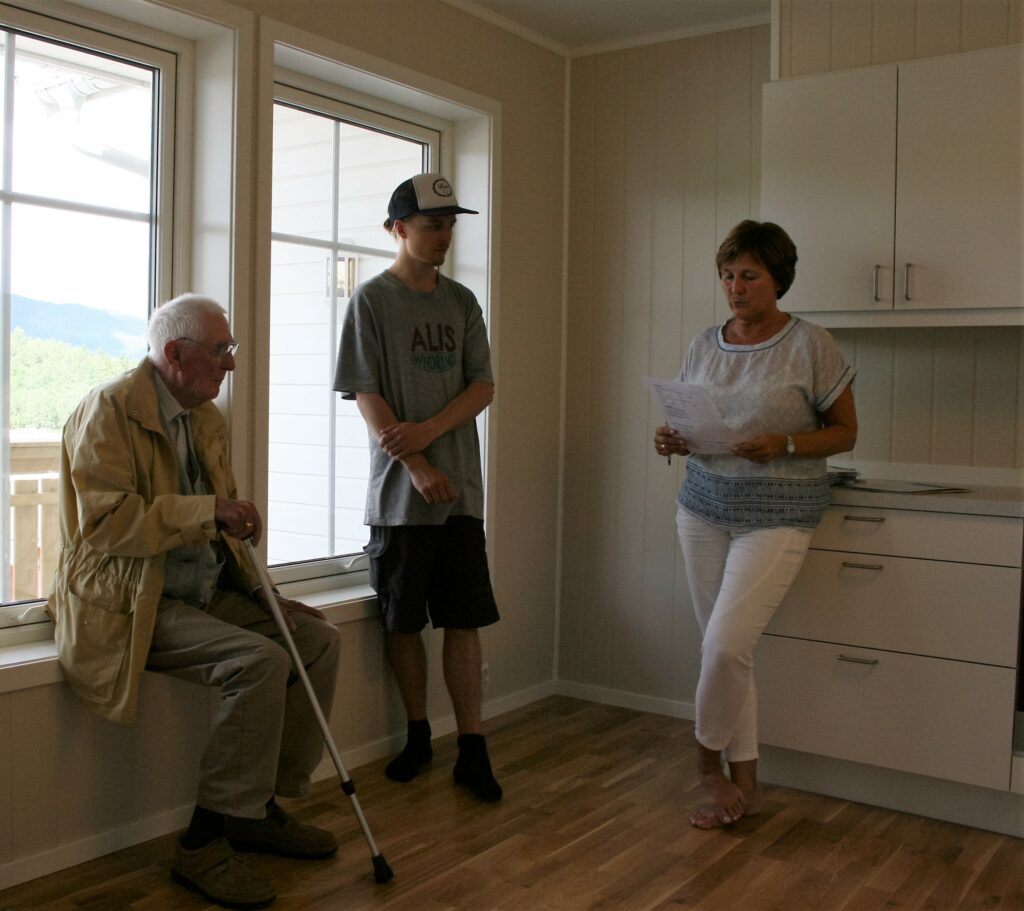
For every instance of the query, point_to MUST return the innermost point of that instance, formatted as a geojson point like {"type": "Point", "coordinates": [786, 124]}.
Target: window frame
{"type": "Point", "coordinates": [307, 93]}
{"type": "Point", "coordinates": [26, 619]}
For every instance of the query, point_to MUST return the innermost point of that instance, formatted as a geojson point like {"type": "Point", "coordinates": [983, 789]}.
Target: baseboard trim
{"type": "Point", "coordinates": [950, 801]}
{"type": "Point", "coordinates": [439, 727]}
{"type": "Point", "coordinates": [673, 708]}
{"type": "Point", "coordinates": [68, 855]}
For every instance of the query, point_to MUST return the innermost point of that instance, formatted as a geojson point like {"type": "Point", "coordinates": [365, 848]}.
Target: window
{"type": "Point", "coordinates": [334, 168]}
{"type": "Point", "coordinates": [84, 254]}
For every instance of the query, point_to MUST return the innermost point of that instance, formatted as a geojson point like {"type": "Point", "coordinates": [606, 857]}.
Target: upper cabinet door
{"type": "Point", "coordinates": [959, 192]}
{"type": "Point", "coordinates": [828, 178]}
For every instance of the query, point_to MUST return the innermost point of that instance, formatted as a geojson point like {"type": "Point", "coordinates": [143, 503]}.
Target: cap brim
{"type": "Point", "coordinates": [448, 210]}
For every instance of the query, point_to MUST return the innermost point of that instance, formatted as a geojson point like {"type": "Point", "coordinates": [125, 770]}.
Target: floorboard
{"type": "Point", "coordinates": [594, 819]}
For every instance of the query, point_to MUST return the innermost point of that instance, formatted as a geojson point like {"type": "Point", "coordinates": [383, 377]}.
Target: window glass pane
{"type": "Point", "coordinates": [303, 165]}
{"type": "Point", "coordinates": [318, 458]}
{"type": "Point", "coordinates": [79, 301]}
{"type": "Point", "coordinates": [303, 458]}
{"type": "Point", "coordinates": [75, 287]}
{"type": "Point", "coordinates": [82, 126]}
{"type": "Point", "coordinates": [301, 359]}
{"type": "Point", "coordinates": [370, 165]}
{"type": "Point", "coordinates": [352, 457]}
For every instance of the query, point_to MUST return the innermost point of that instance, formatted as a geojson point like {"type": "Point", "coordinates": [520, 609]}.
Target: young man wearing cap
{"type": "Point", "coordinates": [414, 355]}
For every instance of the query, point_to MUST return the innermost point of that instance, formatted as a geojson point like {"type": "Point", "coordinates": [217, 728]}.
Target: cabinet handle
{"type": "Point", "coordinates": [875, 566]}
{"type": "Point", "coordinates": [874, 283]}
{"type": "Point", "coordinates": [906, 282]}
{"type": "Point", "coordinates": [864, 518]}
{"type": "Point", "coordinates": [853, 659]}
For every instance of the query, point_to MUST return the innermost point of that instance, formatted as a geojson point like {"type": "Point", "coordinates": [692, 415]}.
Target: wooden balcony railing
{"type": "Point", "coordinates": [34, 468]}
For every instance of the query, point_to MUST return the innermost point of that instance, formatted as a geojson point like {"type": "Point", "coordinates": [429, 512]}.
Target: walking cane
{"type": "Point", "coordinates": [382, 873]}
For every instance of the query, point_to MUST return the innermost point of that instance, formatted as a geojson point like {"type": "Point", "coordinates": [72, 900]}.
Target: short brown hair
{"type": "Point", "coordinates": [768, 244]}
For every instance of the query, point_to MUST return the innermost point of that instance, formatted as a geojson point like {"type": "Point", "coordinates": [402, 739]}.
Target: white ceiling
{"type": "Point", "coordinates": [583, 26]}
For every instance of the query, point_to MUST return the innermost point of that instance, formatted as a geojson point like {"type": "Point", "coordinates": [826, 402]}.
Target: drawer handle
{"type": "Point", "coordinates": [853, 659]}
{"type": "Point", "coordinates": [864, 518]}
{"type": "Point", "coordinates": [875, 566]}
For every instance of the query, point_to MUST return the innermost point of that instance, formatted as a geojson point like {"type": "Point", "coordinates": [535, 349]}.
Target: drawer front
{"type": "Point", "coordinates": [946, 610]}
{"type": "Point", "coordinates": [928, 716]}
{"type": "Point", "coordinates": [994, 540]}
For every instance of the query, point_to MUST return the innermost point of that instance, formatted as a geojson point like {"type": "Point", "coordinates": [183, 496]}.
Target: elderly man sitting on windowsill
{"type": "Point", "coordinates": [152, 575]}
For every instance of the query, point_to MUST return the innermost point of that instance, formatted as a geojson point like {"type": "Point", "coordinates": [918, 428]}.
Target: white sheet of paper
{"type": "Point", "coordinates": [690, 409]}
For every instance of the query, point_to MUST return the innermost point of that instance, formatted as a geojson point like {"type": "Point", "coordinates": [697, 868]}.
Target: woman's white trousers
{"type": "Point", "coordinates": [737, 578]}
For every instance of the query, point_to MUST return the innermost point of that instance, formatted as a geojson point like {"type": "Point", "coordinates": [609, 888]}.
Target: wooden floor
{"type": "Point", "coordinates": [594, 817]}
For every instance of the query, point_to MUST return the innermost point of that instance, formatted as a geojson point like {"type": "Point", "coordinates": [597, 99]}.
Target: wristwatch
{"type": "Point", "coordinates": [790, 445]}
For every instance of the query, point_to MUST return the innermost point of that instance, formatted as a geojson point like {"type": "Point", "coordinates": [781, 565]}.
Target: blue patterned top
{"type": "Point", "coordinates": [781, 385]}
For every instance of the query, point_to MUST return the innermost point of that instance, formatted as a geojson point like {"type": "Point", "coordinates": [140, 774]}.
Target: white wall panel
{"type": "Point", "coordinates": [816, 36]}
{"type": "Point", "coordinates": [948, 396]}
{"type": "Point", "coordinates": [608, 300]}
{"type": "Point", "coordinates": [912, 397]}
{"type": "Point", "coordinates": [998, 406]}
{"type": "Point", "coordinates": [648, 212]}
{"type": "Point", "coordinates": [657, 604]}
{"type": "Point", "coordinates": [665, 144]}
{"type": "Point", "coordinates": [952, 436]}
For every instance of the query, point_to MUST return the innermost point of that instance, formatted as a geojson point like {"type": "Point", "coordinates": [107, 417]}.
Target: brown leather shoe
{"type": "Point", "coordinates": [279, 833]}
{"type": "Point", "coordinates": [216, 872]}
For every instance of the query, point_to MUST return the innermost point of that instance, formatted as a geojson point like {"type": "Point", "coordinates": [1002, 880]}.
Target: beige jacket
{"type": "Point", "coordinates": [120, 512]}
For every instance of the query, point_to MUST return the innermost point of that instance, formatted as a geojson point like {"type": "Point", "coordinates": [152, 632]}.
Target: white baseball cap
{"type": "Point", "coordinates": [426, 194]}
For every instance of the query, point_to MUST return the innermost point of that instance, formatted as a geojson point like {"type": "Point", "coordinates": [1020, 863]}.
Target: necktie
{"type": "Point", "coordinates": [186, 455]}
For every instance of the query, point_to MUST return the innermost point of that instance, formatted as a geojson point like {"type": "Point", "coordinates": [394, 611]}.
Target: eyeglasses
{"type": "Point", "coordinates": [218, 351]}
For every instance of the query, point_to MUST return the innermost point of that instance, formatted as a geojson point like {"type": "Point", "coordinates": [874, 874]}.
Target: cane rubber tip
{"type": "Point", "coordinates": [382, 873]}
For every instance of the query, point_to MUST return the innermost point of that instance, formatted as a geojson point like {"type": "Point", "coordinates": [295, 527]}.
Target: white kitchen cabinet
{"type": "Point", "coordinates": [897, 645]}
{"type": "Point", "coordinates": [901, 186]}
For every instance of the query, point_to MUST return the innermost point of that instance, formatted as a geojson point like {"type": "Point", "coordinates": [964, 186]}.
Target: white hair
{"type": "Point", "coordinates": [181, 317]}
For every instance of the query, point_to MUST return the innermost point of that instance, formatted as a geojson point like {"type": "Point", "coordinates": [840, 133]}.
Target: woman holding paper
{"type": "Point", "coordinates": [745, 517]}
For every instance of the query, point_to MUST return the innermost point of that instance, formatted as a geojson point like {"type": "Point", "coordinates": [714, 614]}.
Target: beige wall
{"type": "Point", "coordinates": [449, 45]}
{"type": "Point", "coordinates": [80, 786]}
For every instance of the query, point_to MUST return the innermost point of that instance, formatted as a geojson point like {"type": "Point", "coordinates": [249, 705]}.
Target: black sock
{"type": "Point", "coordinates": [473, 768]}
{"type": "Point", "coordinates": [206, 826]}
{"type": "Point", "coordinates": [406, 765]}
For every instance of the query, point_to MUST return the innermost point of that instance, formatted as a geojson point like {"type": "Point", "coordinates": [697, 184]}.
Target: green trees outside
{"type": "Point", "coordinates": [49, 378]}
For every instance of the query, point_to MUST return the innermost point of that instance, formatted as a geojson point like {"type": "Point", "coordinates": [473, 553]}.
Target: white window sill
{"type": "Point", "coordinates": [27, 664]}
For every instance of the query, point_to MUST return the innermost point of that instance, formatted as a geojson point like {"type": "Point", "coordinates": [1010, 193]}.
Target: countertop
{"type": "Point", "coordinates": [974, 500]}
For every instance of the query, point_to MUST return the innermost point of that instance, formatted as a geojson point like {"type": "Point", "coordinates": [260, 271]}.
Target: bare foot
{"type": "Point", "coordinates": [726, 803]}
{"type": "Point", "coordinates": [704, 817]}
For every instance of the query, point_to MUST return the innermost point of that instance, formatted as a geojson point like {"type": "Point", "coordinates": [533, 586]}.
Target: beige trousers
{"type": "Point", "coordinates": [265, 739]}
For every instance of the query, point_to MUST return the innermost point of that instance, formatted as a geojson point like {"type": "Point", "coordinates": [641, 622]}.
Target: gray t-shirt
{"type": "Point", "coordinates": [780, 385]}
{"type": "Point", "coordinates": [417, 351]}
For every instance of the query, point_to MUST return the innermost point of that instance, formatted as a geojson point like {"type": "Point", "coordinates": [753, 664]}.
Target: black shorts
{"type": "Point", "coordinates": [440, 570]}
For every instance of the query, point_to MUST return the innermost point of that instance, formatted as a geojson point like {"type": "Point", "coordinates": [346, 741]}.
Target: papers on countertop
{"type": "Point", "coordinates": [691, 411]}
{"type": "Point", "coordinates": [902, 486]}
{"type": "Point", "coordinates": [841, 476]}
